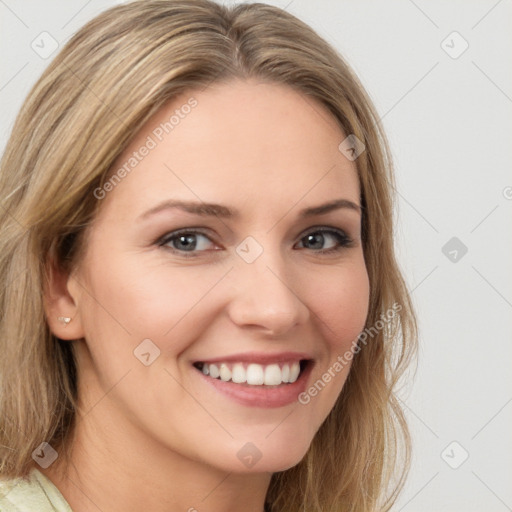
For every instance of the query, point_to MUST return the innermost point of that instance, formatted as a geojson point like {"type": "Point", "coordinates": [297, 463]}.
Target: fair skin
{"type": "Point", "coordinates": [162, 437]}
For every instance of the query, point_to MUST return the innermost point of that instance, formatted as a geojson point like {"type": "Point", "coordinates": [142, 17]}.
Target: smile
{"type": "Point", "coordinates": [266, 384]}
{"type": "Point", "coordinates": [253, 374]}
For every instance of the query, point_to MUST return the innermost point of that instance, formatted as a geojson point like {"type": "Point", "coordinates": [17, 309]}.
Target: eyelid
{"type": "Point", "coordinates": [322, 227]}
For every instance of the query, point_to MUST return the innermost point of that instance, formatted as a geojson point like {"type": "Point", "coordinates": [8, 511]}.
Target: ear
{"type": "Point", "coordinates": [61, 303]}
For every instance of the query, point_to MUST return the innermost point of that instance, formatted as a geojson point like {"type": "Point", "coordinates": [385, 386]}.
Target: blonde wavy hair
{"type": "Point", "coordinates": [105, 83]}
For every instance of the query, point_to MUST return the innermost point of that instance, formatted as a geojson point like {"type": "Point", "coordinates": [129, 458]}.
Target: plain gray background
{"type": "Point", "coordinates": [448, 115]}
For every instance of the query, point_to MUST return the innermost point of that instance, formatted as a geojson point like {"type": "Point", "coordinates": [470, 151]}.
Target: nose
{"type": "Point", "coordinates": [267, 296]}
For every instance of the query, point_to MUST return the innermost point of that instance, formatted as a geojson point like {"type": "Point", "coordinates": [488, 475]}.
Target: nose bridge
{"type": "Point", "coordinates": [265, 294]}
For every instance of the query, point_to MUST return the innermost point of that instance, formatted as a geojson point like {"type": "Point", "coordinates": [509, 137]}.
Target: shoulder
{"type": "Point", "coordinates": [34, 493]}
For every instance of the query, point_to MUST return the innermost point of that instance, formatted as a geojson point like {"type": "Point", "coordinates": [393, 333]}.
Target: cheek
{"type": "Point", "coordinates": [340, 308]}
{"type": "Point", "coordinates": [340, 302]}
{"type": "Point", "coordinates": [132, 302]}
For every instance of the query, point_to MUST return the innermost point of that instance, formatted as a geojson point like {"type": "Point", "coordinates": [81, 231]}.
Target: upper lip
{"type": "Point", "coordinates": [258, 358]}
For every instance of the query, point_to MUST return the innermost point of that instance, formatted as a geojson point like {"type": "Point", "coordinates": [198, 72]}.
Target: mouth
{"type": "Point", "coordinates": [270, 383]}
{"type": "Point", "coordinates": [273, 375]}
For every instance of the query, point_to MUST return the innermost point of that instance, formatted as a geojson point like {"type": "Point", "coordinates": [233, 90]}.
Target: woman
{"type": "Point", "coordinates": [201, 307]}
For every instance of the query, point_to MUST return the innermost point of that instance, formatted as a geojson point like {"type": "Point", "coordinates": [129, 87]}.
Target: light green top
{"type": "Point", "coordinates": [36, 493]}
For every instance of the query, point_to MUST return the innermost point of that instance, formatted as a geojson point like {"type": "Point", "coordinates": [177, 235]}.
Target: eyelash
{"type": "Point", "coordinates": [344, 240]}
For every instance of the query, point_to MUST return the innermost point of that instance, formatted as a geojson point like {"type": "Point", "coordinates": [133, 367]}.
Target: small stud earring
{"type": "Point", "coordinates": [64, 319]}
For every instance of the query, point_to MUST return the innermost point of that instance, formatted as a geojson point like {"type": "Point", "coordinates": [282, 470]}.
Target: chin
{"type": "Point", "coordinates": [280, 463]}
{"type": "Point", "coordinates": [269, 456]}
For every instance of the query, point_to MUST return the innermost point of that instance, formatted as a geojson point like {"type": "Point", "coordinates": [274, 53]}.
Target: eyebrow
{"type": "Point", "coordinates": [218, 210]}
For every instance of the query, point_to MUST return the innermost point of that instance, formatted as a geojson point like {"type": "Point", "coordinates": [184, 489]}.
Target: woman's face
{"type": "Point", "coordinates": [168, 294]}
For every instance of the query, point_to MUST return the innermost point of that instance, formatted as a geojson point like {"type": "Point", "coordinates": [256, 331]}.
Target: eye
{"type": "Point", "coordinates": [186, 241]}
{"type": "Point", "coordinates": [317, 238]}
{"type": "Point", "coordinates": [189, 242]}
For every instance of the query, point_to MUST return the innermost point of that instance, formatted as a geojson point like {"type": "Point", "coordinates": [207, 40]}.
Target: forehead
{"type": "Point", "coordinates": [247, 143]}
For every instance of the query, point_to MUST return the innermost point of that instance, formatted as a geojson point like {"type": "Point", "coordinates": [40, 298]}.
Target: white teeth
{"type": "Point", "coordinates": [254, 374]}
{"type": "Point", "coordinates": [294, 372]}
{"type": "Point", "coordinates": [238, 375]}
{"type": "Point", "coordinates": [286, 373]}
{"type": "Point", "coordinates": [214, 370]}
{"type": "Point", "coordinates": [273, 376]}
{"type": "Point", "coordinates": [225, 372]}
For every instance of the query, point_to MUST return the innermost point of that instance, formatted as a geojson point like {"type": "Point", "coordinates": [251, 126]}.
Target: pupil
{"type": "Point", "coordinates": [189, 241]}
{"type": "Point", "coordinates": [319, 237]}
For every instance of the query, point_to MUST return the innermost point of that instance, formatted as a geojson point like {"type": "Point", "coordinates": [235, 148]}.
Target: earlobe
{"type": "Point", "coordinates": [61, 307]}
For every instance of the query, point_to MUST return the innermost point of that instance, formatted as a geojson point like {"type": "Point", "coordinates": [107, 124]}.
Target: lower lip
{"type": "Point", "coordinates": [261, 396]}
